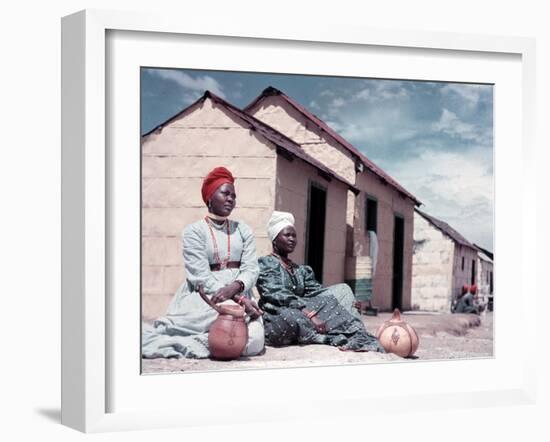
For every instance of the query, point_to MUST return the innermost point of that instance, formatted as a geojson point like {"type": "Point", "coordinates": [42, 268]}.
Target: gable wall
{"type": "Point", "coordinates": [174, 163]}
{"type": "Point", "coordinates": [432, 270]}
{"type": "Point", "coordinates": [276, 112]}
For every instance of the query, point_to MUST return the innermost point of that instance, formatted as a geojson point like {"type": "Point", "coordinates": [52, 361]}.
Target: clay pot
{"type": "Point", "coordinates": [398, 337]}
{"type": "Point", "coordinates": [228, 334]}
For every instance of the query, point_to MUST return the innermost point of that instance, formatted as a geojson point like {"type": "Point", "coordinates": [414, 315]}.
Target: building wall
{"type": "Point", "coordinates": [483, 277]}
{"type": "Point", "coordinates": [276, 112]}
{"type": "Point", "coordinates": [463, 276]}
{"type": "Point", "coordinates": [389, 203]}
{"type": "Point", "coordinates": [174, 163]}
{"type": "Point", "coordinates": [433, 261]}
{"type": "Point", "coordinates": [292, 188]}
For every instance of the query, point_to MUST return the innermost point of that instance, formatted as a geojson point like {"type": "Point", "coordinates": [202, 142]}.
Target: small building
{"type": "Point", "coordinates": [485, 277]}
{"type": "Point", "coordinates": [443, 261]}
{"type": "Point", "coordinates": [379, 217]}
{"type": "Point", "coordinates": [272, 172]}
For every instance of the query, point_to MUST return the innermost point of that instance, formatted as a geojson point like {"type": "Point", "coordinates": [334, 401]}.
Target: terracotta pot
{"type": "Point", "coordinates": [398, 337]}
{"type": "Point", "coordinates": [228, 334]}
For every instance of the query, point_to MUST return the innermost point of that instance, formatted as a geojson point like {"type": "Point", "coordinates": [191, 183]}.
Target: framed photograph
{"type": "Point", "coordinates": [135, 87]}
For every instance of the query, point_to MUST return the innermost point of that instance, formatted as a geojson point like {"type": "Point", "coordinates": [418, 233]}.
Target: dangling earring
{"type": "Point", "coordinates": [209, 205]}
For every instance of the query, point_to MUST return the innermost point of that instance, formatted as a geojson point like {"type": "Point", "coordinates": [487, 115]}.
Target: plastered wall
{"type": "Point", "coordinates": [293, 181]}
{"type": "Point", "coordinates": [276, 112]}
{"type": "Point", "coordinates": [463, 276]}
{"type": "Point", "coordinates": [390, 203]}
{"type": "Point", "coordinates": [483, 277]}
{"type": "Point", "coordinates": [174, 163]}
{"type": "Point", "coordinates": [432, 271]}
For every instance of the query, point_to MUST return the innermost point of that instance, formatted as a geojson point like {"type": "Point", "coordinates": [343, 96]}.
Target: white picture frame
{"type": "Point", "coordinates": [87, 315]}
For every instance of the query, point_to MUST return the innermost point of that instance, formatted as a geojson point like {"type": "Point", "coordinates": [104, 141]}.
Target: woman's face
{"type": "Point", "coordinates": [223, 200]}
{"type": "Point", "coordinates": [286, 241]}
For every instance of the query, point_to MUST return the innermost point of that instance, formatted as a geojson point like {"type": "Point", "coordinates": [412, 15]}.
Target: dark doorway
{"type": "Point", "coordinates": [372, 214]}
{"type": "Point", "coordinates": [473, 272]}
{"type": "Point", "coordinates": [315, 246]}
{"type": "Point", "coordinates": [398, 247]}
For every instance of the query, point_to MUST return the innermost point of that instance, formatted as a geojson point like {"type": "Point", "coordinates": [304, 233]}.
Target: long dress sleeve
{"type": "Point", "coordinates": [273, 286]}
{"type": "Point", "coordinates": [311, 285]}
{"type": "Point", "coordinates": [196, 262]}
{"type": "Point", "coordinates": [249, 270]}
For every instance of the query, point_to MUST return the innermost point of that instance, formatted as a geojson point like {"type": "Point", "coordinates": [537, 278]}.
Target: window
{"type": "Point", "coordinates": [371, 215]}
{"type": "Point", "coordinates": [463, 263]}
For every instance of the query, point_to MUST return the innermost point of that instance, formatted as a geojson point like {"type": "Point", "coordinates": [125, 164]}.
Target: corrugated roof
{"type": "Point", "coordinates": [483, 256]}
{"type": "Point", "coordinates": [486, 252]}
{"type": "Point", "coordinates": [270, 91]}
{"type": "Point", "coordinates": [282, 141]}
{"type": "Point", "coordinates": [446, 229]}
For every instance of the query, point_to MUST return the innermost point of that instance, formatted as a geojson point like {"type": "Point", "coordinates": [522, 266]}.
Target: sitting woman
{"type": "Point", "coordinates": [220, 255]}
{"type": "Point", "coordinates": [465, 302]}
{"type": "Point", "coordinates": [297, 309]}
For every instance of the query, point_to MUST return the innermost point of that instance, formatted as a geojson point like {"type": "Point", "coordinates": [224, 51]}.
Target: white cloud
{"type": "Point", "coordinates": [190, 97]}
{"type": "Point", "coordinates": [455, 187]}
{"type": "Point", "coordinates": [470, 93]}
{"type": "Point", "coordinates": [196, 84]}
{"type": "Point", "coordinates": [450, 124]}
{"type": "Point", "coordinates": [237, 90]}
{"type": "Point", "coordinates": [338, 102]}
{"type": "Point", "coordinates": [361, 132]}
{"type": "Point", "coordinates": [388, 90]}
{"type": "Point", "coordinates": [363, 94]}
{"type": "Point", "coordinates": [334, 125]}
{"type": "Point", "coordinates": [383, 90]}
{"type": "Point", "coordinates": [380, 125]}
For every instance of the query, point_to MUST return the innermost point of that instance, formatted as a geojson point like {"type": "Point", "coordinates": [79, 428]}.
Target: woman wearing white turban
{"type": "Point", "coordinates": [299, 310]}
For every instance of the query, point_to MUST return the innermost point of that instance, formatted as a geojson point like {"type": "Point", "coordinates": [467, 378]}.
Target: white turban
{"type": "Point", "coordinates": [277, 222]}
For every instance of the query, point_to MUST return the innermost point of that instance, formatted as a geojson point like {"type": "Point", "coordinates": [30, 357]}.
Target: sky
{"type": "Point", "coordinates": [434, 138]}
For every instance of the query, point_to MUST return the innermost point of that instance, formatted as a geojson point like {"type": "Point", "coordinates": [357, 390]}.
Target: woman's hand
{"type": "Point", "coordinates": [251, 308]}
{"type": "Point", "coordinates": [226, 292]}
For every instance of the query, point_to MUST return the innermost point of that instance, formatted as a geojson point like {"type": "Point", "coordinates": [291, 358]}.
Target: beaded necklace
{"type": "Point", "coordinates": [223, 264]}
{"type": "Point", "coordinates": [288, 268]}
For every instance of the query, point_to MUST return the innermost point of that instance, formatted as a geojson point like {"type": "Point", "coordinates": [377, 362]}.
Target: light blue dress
{"type": "Point", "coordinates": [183, 331]}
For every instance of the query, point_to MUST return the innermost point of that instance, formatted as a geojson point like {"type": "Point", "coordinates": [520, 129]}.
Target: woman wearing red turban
{"type": "Point", "coordinates": [220, 255]}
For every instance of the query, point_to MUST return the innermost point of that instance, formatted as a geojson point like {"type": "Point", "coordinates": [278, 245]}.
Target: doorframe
{"type": "Point", "coordinates": [312, 183]}
{"type": "Point", "coordinates": [402, 217]}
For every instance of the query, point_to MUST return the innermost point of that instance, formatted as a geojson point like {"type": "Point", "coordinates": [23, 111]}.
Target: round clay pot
{"type": "Point", "coordinates": [228, 334]}
{"type": "Point", "coordinates": [398, 337]}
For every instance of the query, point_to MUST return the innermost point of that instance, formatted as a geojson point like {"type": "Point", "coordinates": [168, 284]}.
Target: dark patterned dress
{"type": "Point", "coordinates": [465, 304]}
{"type": "Point", "coordinates": [287, 290]}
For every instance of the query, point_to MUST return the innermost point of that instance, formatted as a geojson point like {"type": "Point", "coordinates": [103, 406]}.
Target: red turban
{"type": "Point", "coordinates": [473, 289]}
{"type": "Point", "coordinates": [212, 181]}
{"type": "Point", "coordinates": [465, 288]}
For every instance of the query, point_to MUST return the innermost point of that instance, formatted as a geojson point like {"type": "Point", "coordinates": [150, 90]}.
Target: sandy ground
{"type": "Point", "coordinates": [442, 336]}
